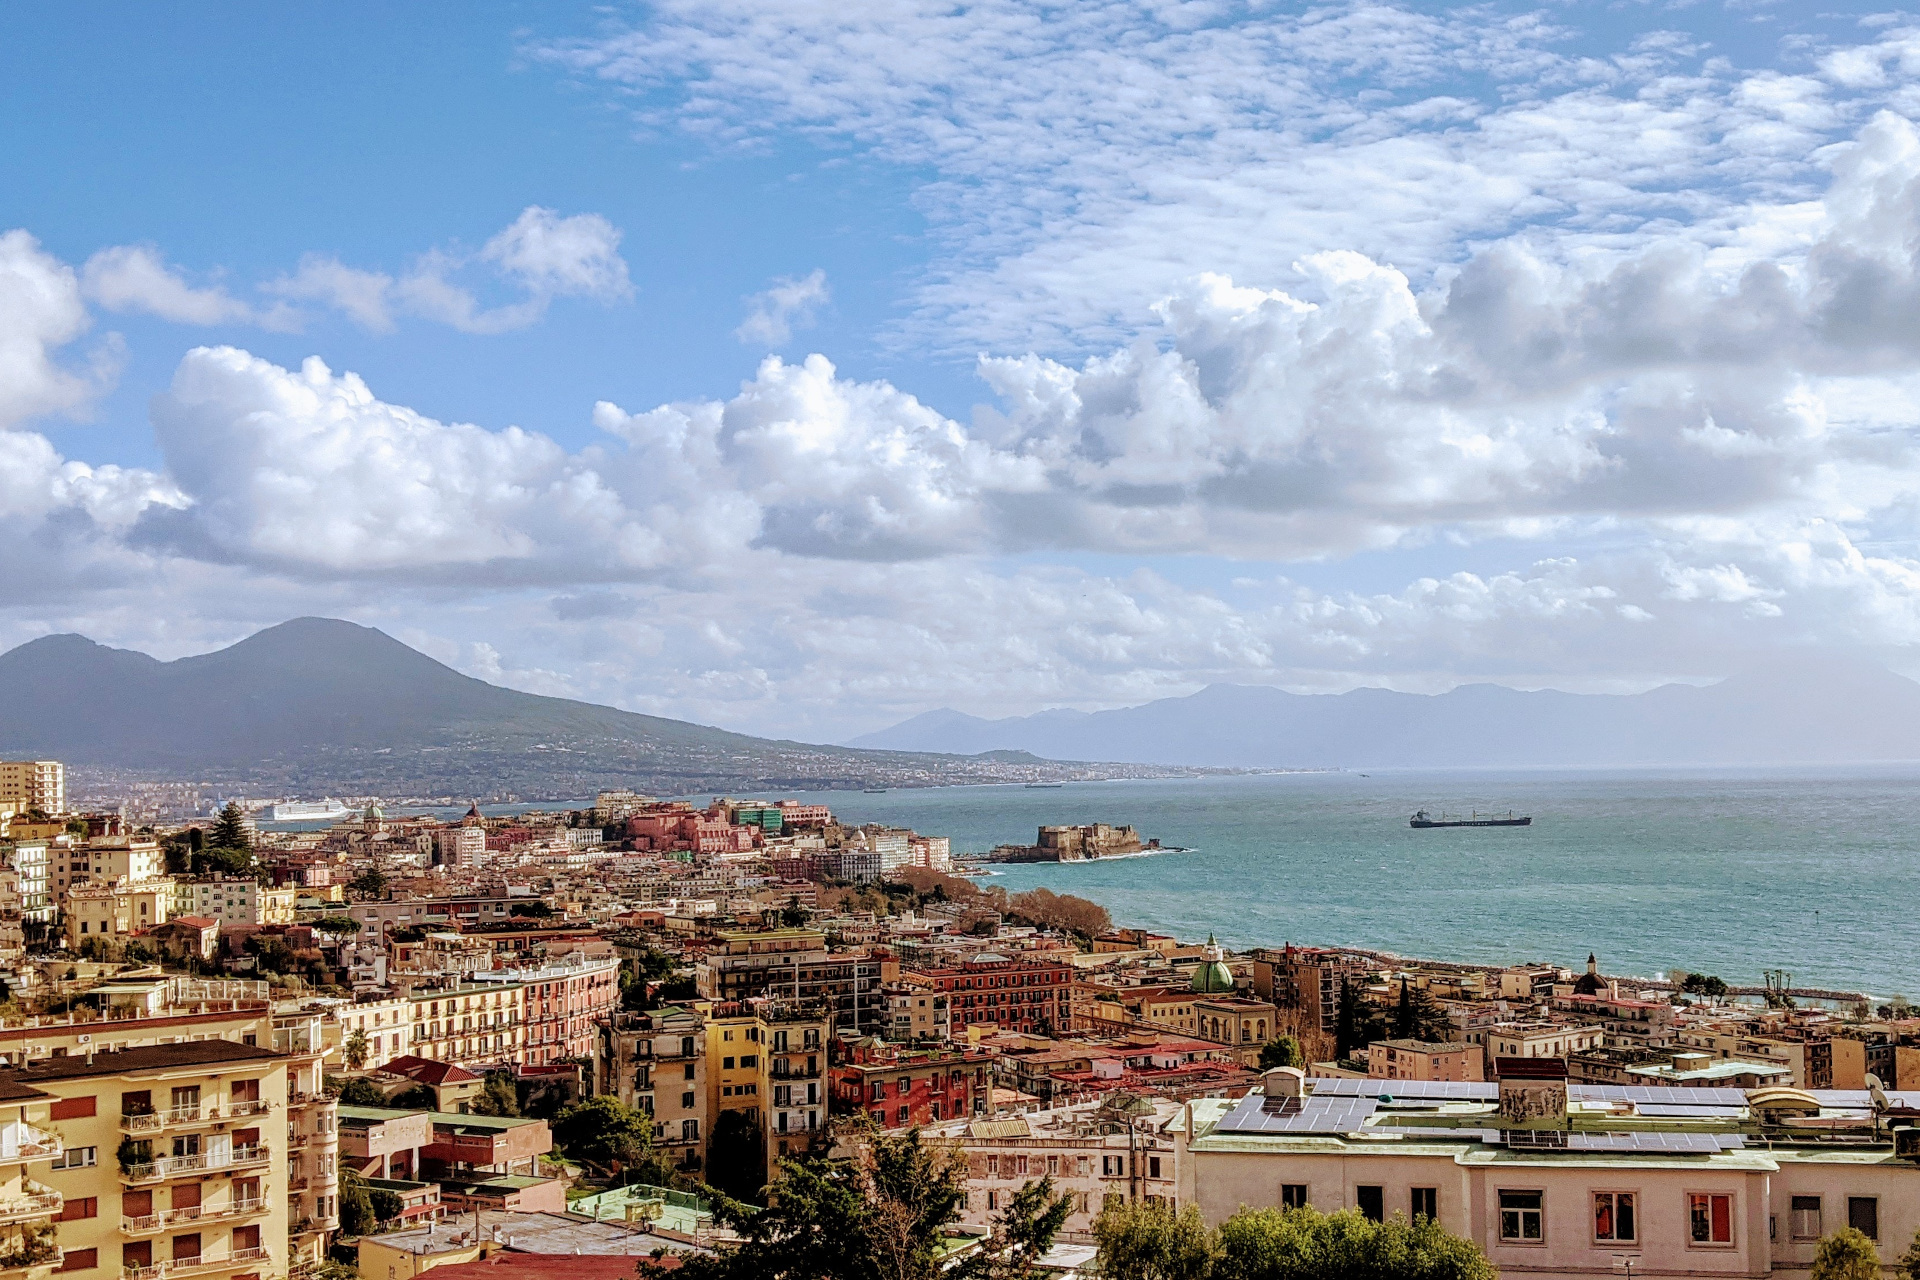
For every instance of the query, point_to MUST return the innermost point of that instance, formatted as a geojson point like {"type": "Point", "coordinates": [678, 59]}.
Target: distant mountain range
{"type": "Point", "coordinates": [318, 705]}
{"type": "Point", "coordinates": [1814, 709]}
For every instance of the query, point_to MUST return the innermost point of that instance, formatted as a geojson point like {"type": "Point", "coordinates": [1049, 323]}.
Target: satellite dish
{"type": "Point", "coordinates": [1877, 1093]}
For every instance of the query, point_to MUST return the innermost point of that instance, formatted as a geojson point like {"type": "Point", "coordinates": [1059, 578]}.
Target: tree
{"type": "Point", "coordinates": [339, 925]}
{"type": "Point", "coordinates": [356, 1203]}
{"type": "Point", "coordinates": [602, 1131]}
{"type": "Point", "coordinates": [368, 884]}
{"type": "Point", "coordinates": [498, 1096]}
{"type": "Point", "coordinates": [1305, 1244]}
{"type": "Point", "coordinates": [230, 828]}
{"type": "Point", "coordinates": [361, 1092]}
{"type": "Point", "coordinates": [355, 1048]}
{"type": "Point", "coordinates": [1847, 1254]}
{"type": "Point", "coordinates": [793, 915]}
{"type": "Point", "coordinates": [736, 1156]}
{"type": "Point", "coordinates": [1281, 1052]}
{"type": "Point", "coordinates": [1026, 1230]}
{"type": "Point", "coordinates": [1909, 1263]}
{"type": "Point", "coordinates": [1140, 1241]}
{"type": "Point", "coordinates": [419, 1098]}
{"type": "Point", "coordinates": [1063, 911]}
{"type": "Point", "coordinates": [532, 909]}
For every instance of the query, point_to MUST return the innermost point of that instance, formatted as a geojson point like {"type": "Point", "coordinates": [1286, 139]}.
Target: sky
{"type": "Point", "coordinates": [799, 368]}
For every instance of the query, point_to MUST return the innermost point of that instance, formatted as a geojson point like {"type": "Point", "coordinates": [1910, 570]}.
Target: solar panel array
{"type": "Point", "coordinates": [1691, 1144]}
{"type": "Point", "coordinates": [1255, 1114]}
{"type": "Point", "coordinates": [1690, 1113]}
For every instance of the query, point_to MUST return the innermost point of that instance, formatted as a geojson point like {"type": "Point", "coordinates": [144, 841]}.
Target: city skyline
{"type": "Point", "coordinates": [797, 371]}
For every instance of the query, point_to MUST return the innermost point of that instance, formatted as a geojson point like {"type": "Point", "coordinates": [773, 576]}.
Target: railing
{"type": "Point", "coordinates": [194, 1213]}
{"type": "Point", "coordinates": [150, 1121]}
{"type": "Point", "coordinates": [38, 1144]}
{"type": "Point", "coordinates": [170, 1166]}
{"type": "Point", "coordinates": [194, 1265]}
{"type": "Point", "coordinates": [21, 1208]}
{"type": "Point", "coordinates": [238, 1109]}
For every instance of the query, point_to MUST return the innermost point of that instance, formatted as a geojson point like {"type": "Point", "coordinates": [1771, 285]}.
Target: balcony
{"type": "Point", "coordinates": [28, 1207]}
{"type": "Point", "coordinates": [185, 1117]}
{"type": "Point", "coordinates": [34, 1144]}
{"type": "Point", "coordinates": [178, 1166]}
{"type": "Point", "coordinates": [198, 1213]}
{"type": "Point", "coordinates": [238, 1109]}
{"type": "Point", "coordinates": [197, 1266]}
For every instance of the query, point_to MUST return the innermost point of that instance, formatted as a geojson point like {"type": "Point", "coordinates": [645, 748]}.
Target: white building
{"type": "Point", "coordinates": [233, 900]}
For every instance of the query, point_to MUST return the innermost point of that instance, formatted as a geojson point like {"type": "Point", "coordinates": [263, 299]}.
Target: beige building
{"type": "Point", "coordinates": [386, 1024]}
{"type": "Point", "coordinates": [116, 911]}
{"type": "Point", "coordinates": [233, 900]}
{"type": "Point", "coordinates": [656, 1062]}
{"type": "Point", "coordinates": [122, 858]}
{"type": "Point", "coordinates": [173, 1160]}
{"type": "Point", "coordinates": [1115, 1150]}
{"type": "Point", "coordinates": [1541, 1039]}
{"type": "Point", "coordinates": [1559, 1180]}
{"type": "Point", "coordinates": [1423, 1060]}
{"type": "Point", "coordinates": [33, 784]}
{"type": "Point", "coordinates": [468, 1024]}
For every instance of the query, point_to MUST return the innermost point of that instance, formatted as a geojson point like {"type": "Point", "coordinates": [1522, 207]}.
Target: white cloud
{"type": "Point", "coordinates": [136, 278]}
{"type": "Point", "coordinates": [773, 314]}
{"type": "Point", "coordinates": [555, 257]}
{"type": "Point", "coordinates": [361, 296]}
{"type": "Point", "coordinates": [40, 312]}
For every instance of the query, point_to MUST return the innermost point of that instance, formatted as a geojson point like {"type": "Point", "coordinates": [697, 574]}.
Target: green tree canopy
{"type": "Point", "coordinates": [1153, 1242]}
{"type": "Point", "coordinates": [354, 1047]}
{"type": "Point", "coordinates": [356, 1202]}
{"type": "Point", "coordinates": [1140, 1241]}
{"type": "Point", "coordinates": [1283, 1051]}
{"type": "Point", "coordinates": [230, 828]}
{"type": "Point", "coordinates": [498, 1096]}
{"type": "Point", "coordinates": [877, 1214]}
{"type": "Point", "coordinates": [603, 1131]}
{"type": "Point", "coordinates": [368, 884]}
{"type": "Point", "coordinates": [1847, 1254]}
{"type": "Point", "coordinates": [360, 1092]}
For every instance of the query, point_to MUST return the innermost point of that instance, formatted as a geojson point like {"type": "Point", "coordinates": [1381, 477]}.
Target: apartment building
{"type": "Point", "coordinates": [559, 1003]}
{"type": "Point", "coordinates": [1423, 1060]}
{"type": "Point", "coordinates": [466, 1023]}
{"type": "Point", "coordinates": [794, 966]}
{"type": "Point", "coordinates": [28, 859]}
{"type": "Point", "coordinates": [767, 1061]}
{"type": "Point", "coordinates": [1553, 1178]}
{"type": "Point", "coordinates": [656, 1062]}
{"type": "Point", "coordinates": [899, 1086]}
{"type": "Point", "coordinates": [1541, 1040]}
{"type": "Point", "coordinates": [998, 990]}
{"type": "Point", "coordinates": [26, 785]}
{"type": "Point", "coordinates": [172, 1160]}
{"type": "Point", "coordinates": [236, 1011]}
{"type": "Point", "coordinates": [386, 1024]}
{"type": "Point", "coordinates": [1306, 979]}
{"type": "Point", "coordinates": [116, 910]}
{"type": "Point", "coordinates": [233, 900]}
{"type": "Point", "coordinates": [29, 1207]}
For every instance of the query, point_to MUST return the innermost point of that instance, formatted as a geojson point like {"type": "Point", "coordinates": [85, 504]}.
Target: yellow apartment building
{"type": "Point", "coordinates": [767, 1061]}
{"type": "Point", "coordinates": [468, 1025]}
{"type": "Point", "coordinates": [34, 784]}
{"type": "Point", "coordinates": [173, 1160]}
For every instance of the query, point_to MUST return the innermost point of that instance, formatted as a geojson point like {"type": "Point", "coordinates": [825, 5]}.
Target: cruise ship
{"type": "Point", "coordinates": [326, 810]}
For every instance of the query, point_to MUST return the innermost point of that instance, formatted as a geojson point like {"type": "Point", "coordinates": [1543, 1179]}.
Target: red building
{"type": "Point", "coordinates": [680, 827]}
{"type": "Point", "coordinates": [900, 1087]}
{"type": "Point", "coordinates": [1018, 995]}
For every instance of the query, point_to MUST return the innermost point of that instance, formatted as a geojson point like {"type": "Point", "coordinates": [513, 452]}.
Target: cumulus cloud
{"type": "Point", "coordinates": [555, 257]}
{"type": "Point", "coordinates": [41, 311]}
{"type": "Point", "coordinates": [773, 315]}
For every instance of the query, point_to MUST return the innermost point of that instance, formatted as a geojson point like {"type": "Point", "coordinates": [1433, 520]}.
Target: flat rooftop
{"type": "Point", "coordinates": [155, 1057]}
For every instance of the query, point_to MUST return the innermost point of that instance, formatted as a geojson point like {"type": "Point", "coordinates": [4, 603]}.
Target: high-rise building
{"type": "Point", "coordinates": [34, 784]}
{"type": "Point", "coordinates": [656, 1062]}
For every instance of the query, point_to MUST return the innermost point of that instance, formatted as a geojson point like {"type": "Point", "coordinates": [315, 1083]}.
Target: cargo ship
{"type": "Point", "coordinates": [1423, 819]}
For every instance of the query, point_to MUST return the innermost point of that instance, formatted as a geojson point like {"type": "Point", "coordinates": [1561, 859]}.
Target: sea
{"type": "Point", "coordinates": [1727, 872]}
{"type": "Point", "coordinates": [1731, 872]}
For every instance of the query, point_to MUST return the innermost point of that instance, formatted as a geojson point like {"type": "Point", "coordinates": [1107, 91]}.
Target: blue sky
{"type": "Point", "coordinates": [1158, 344]}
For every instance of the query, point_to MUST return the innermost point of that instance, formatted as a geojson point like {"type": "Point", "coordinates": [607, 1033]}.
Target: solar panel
{"type": "Point", "coordinates": [1678, 1095]}
{"type": "Point", "coordinates": [1421, 1090]}
{"type": "Point", "coordinates": [1666, 1143]}
{"type": "Point", "coordinates": [1255, 1114]}
{"type": "Point", "coordinates": [1663, 1109]}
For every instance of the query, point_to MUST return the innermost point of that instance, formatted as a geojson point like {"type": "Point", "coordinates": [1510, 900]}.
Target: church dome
{"type": "Point", "coordinates": [1212, 977]}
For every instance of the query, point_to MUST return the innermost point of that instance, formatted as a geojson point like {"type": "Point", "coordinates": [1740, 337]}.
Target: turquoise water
{"type": "Point", "coordinates": [1726, 872]}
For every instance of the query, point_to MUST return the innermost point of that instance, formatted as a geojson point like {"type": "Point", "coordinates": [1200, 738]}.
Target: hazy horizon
{"type": "Point", "coordinates": [677, 359]}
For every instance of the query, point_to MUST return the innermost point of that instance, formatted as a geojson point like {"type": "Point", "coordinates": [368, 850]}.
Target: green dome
{"type": "Point", "coordinates": [1212, 978]}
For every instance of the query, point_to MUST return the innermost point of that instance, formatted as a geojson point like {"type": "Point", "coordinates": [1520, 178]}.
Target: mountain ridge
{"type": "Point", "coordinates": [319, 704]}
{"type": "Point", "coordinates": [1816, 709]}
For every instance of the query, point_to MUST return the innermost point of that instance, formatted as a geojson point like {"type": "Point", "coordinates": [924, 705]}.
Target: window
{"type": "Point", "coordinates": [686, 1102]}
{"type": "Point", "coordinates": [1426, 1203]}
{"type": "Point", "coordinates": [1520, 1217]}
{"type": "Point", "coordinates": [1709, 1219]}
{"type": "Point", "coordinates": [1613, 1217]}
{"type": "Point", "coordinates": [726, 1064]}
{"type": "Point", "coordinates": [1153, 1166]}
{"type": "Point", "coordinates": [1293, 1195]}
{"type": "Point", "coordinates": [1805, 1218]}
{"type": "Point", "coordinates": [74, 1209]}
{"type": "Point", "coordinates": [71, 1108]}
{"type": "Point", "coordinates": [1863, 1215]}
{"type": "Point", "coordinates": [1372, 1203]}
{"type": "Point", "coordinates": [78, 1260]}
{"type": "Point", "coordinates": [1113, 1166]}
{"type": "Point", "coordinates": [78, 1157]}
{"type": "Point", "coordinates": [900, 1116]}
